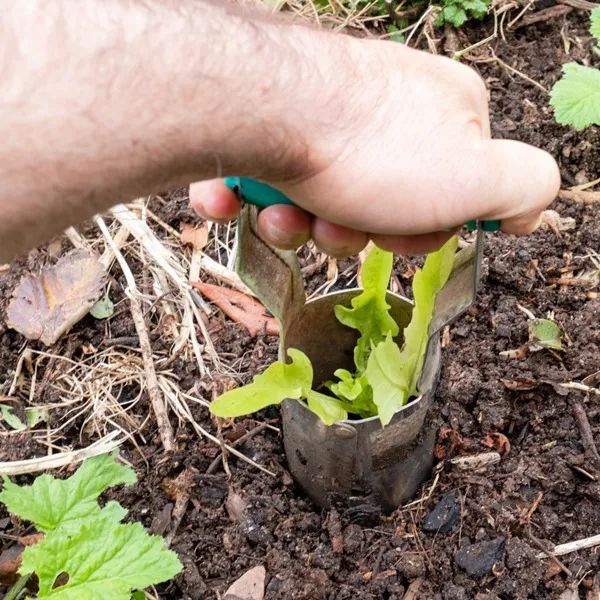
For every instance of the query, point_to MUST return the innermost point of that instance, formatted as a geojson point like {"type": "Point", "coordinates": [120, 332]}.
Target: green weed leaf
{"type": "Point", "coordinates": [278, 382]}
{"type": "Point", "coordinates": [370, 311]}
{"type": "Point", "coordinates": [6, 412]}
{"type": "Point", "coordinates": [50, 503]}
{"type": "Point", "coordinates": [576, 96]}
{"type": "Point", "coordinates": [104, 560]}
{"type": "Point", "coordinates": [545, 333]}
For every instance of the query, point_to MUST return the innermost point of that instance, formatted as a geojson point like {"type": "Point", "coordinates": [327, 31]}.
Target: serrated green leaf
{"type": "Point", "coordinates": [576, 96]}
{"type": "Point", "coordinates": [475, 9]}
{"type": "Point", "coordinates": [278, 382]}
{"type": "Point", "coordinates": [51, 503]}
{"type": "Point", "coordinates": [546, 333]}
{"type": "Point", "coordinates": [370, 311]}
{"type": "Point", "coordinates": [328, 409]}
{"type": "Point", "coordinates": [103, 309]}
{"type": "Point", "coordinates": [595, 23]}
{"type": "Point", "coordinates": [104, 560]}
{"type": "Point", "coordinates": [454, 15]}
{"type": "Point", "coordinates": [10, 418]}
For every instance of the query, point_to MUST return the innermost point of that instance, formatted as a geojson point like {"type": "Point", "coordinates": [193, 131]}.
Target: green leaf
{"type": "Point", "coordinates": [328, 409]}
{"type": "Point", "coordinates": [138, 596]}
{"type": "Point", "coordinates": [104, 560]}
{"type": "Point", "coordinates": [104, 308]}
{"type": "Point", "coordinates": [356, 391]}
{"type": "Point", "coordinates": [595, 23]}
{"type": "Point", "coordinates": [11, 419]}
{"type": "Point", "coordinates": [454, 15]}
{"type": "Point", "coordinates": [546, 333]}
{"type": "Point", "coordinates": [388, 379]}
{"type": "Point", "coordinates": [278, 382]}
{"type": "Point", "coordinates": [475, 9]}
{"type": "Point", "coordinates": [576, 96]}
{"type": "Point", "coordinates": [66, 503]}
{"type": "Point", "coordinates": [36, 415]}
{"type": "Point", "coordinates": [426, 284]}
{"type": "Point", "coordinates": [370, 311]}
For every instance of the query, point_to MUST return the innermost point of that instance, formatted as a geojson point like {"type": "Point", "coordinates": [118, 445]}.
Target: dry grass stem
{"type": "Point", "coordinates": [158, 405]}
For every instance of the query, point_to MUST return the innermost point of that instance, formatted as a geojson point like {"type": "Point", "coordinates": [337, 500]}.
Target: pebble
{"type": "Point", "coordinates": [445, 516]}
{"type": "Point", "coordinates": [478, 559]}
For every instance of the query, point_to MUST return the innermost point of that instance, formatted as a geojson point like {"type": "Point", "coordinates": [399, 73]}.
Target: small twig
{"type": "Point", "coordinates": [562, 549]}
{"type": "Point", "coordinates": [547, 553]}
{"type": "Point", "coordinates": [580, 387]}
{"type": "Point", "coordinates": [249, 434]}
{"type": "Point", "coordinates": [15, 590]}
{"type": "Point", "coordinates": [54, 461]}
{"type": "Point", "coordinates": [582, 197]}
{"type": "Point", "coordinates": [585, 429]}
{"type": "Point", "coordinates": [583, 4]}
{"type": "Point", "coordinates": [158, 405]}
{"type": "Point", "coordinates": [413, 589]}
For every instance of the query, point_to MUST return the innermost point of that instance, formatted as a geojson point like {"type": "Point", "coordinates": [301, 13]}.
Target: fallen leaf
{"type": "Point", "coordinates": [551, 219]}
{"type": "Point", "coordinates": [497, 441]}
{"type": "Point", "coordinates": [250, 586]}
{"type": "Point", "coordinates": [520, 384]}
{"type": "Point", "coordinates": [243, 309]}
{"type": "Point", "coordinates": [197, 237]}
{"type": "Point", "coordinates": [448, 443]}
{"type": "Point", "coordinates": [545, 333]}
{"type": "Point", "coordinates": [47, 305]}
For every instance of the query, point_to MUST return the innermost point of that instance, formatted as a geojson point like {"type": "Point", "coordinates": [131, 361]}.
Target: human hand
{"type": "Point", "coordinates": [408, 159]}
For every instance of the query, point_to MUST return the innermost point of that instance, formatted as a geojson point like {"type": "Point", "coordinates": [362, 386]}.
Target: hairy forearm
{"type": "Point", "coordinates": [105, 100]}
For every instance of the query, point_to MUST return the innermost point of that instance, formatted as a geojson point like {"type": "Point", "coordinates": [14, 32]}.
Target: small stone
{"type": "Point", "coordinates": [445, 516]}
{"type": "Point", "coordinates": [478, 559]}
{"type": "Point", "coordinates": [250, 586]}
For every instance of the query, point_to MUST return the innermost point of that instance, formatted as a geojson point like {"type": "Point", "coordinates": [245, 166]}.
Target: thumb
{"type": "Point", "coordinates": [519, 182]}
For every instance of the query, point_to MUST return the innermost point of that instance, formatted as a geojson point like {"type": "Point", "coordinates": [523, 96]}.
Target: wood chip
{"type": "Point", "coordinates": [476, 461]}
{"type": "Point", "coordinates": [250, 586]}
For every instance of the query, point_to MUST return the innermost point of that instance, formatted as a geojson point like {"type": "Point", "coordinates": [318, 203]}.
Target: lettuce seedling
{"type": "Point", "coordinates": [100, 556]}
{"type": "Point", "coordinates": [385, 375]}
{"type": "Point", "coordinates": [576, 96]}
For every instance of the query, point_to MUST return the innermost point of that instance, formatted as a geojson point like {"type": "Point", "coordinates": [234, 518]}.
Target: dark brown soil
{"type": "Point", "coordinates": [545, 487]}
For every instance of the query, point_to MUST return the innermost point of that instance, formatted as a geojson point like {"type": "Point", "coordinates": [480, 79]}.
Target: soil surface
{"type": "Point", "coordinates": [546, 488]}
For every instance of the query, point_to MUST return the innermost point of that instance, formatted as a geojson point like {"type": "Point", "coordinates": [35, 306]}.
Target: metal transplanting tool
{"type": "Point", "coordinates": [254, 267]}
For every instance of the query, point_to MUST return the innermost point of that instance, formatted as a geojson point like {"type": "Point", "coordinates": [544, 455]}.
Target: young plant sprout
{"type": "Point", "coordinates": [386, 375]}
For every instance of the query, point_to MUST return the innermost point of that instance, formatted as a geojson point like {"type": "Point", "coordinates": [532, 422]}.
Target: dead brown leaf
{"type": "Point", "coordinates": [47, 305]}
{"type": "Point", "coordinates": [195, 236]}
{"type": "Point", "coordinates": [497, 441]}
{"type": "Point", "coordinates": [448, 443]}
{"type": "Point", "coordinates": [241, 308]}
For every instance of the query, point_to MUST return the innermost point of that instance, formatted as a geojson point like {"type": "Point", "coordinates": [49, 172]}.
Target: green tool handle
{"type": "Point", "coordinates": [263, 195]}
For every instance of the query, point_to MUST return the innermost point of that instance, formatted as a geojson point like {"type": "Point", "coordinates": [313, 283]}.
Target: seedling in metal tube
{"type": "Point", "coordinates": [453, 300]}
